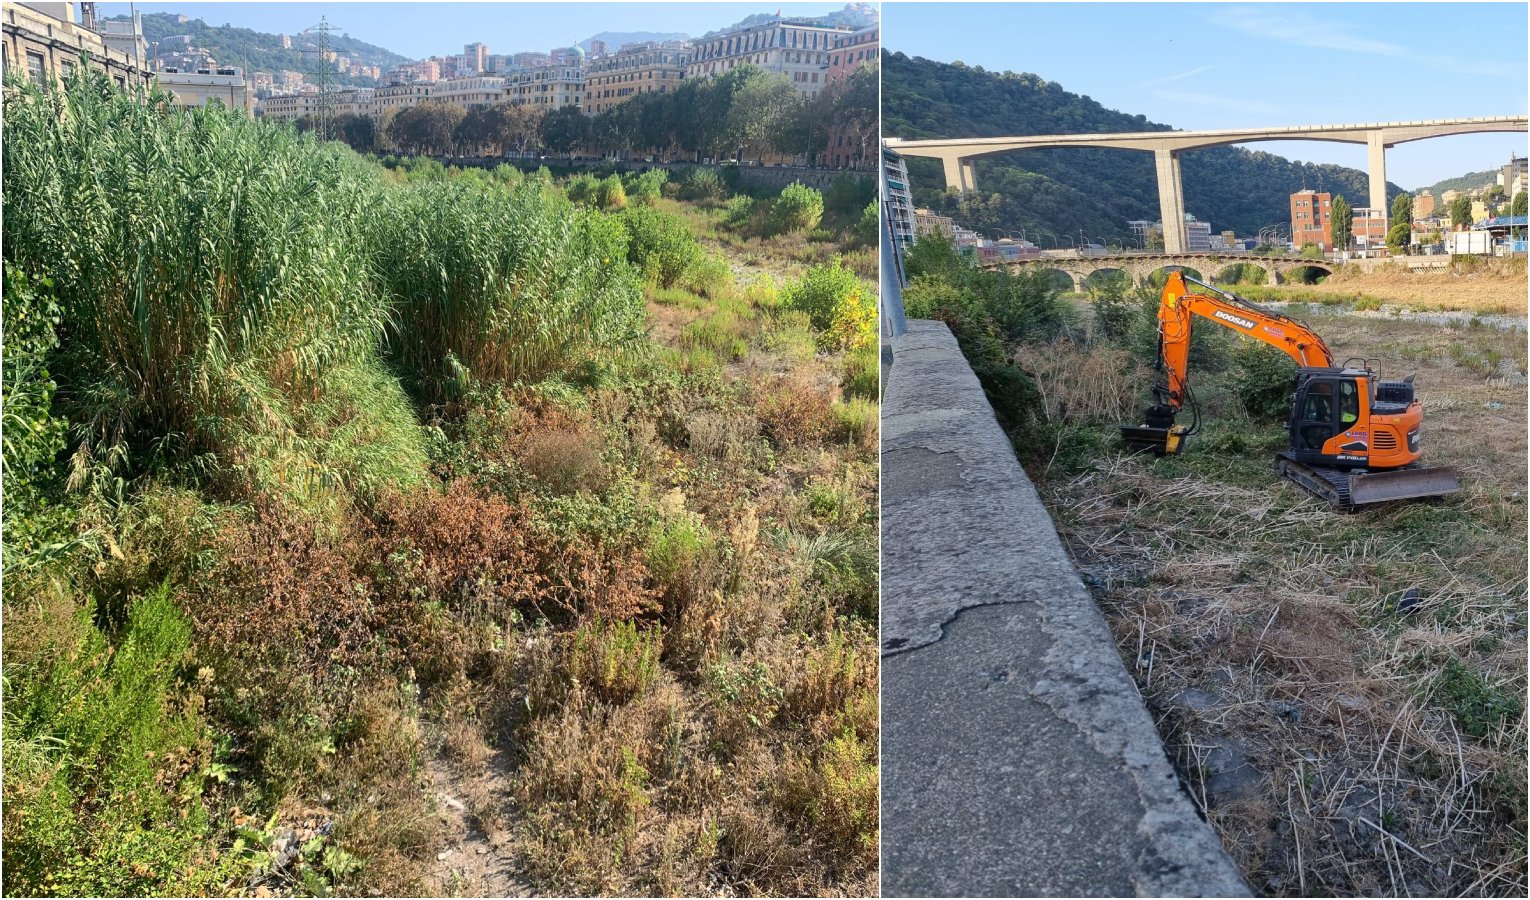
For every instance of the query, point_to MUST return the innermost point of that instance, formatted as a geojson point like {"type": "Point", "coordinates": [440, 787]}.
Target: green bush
{"type": "Point", "coordinates": [581, 188]}
{"type": "Point", "coordinates": [660, 245]}
{"type": "Point", "coordinates": [1263, 381]}
{"type": "Point", "coordinates": [610, 194]}
{"type": "Point", "coordinates": [1478, 707]}
{"type": "Point", "coordinates": [648, 187]}
{"type": "Point", "coordinates": [868, 225]}
{"type": "Point", "coordinates": [799, 208]}
{"type": "Point", "coordinates": [710, 276]}
{"type": "Point", "coordinates": [33, 435]}
{"type": "Point", "coordinates": [107, 766]}
{"type": "Point", "coordinates": [702, 184]}
{"type": "Point", "coordinates": [738, 215]}
{"type": "Point", "coordinates": [838, 304]}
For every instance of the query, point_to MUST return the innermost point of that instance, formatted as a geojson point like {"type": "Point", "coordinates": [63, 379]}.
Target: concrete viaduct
{"type": "Point", "coordinates": [958, 153]}
{"type": "Point", "coordinates": [1140, 266]}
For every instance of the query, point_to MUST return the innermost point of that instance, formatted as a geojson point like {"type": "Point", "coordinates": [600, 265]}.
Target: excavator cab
{"type": "Point", "coordinates": [1326, 413]}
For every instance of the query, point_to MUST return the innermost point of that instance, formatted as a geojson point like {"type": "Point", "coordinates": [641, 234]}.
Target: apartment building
{"type": "Point", "coordinates": [549, 87]}
{"type": "Point", "coordinates": [853, 50]}
{"type": "Point", "coordinates": [225, 85]}
{"type": "Point", "coordinates": [1368, 227]}
{"type": "Point", "coordinates": [900, 202]}
{"type": "Point", "coordinates": [1311, 219]}
{"type": "Point", "coordinates": [645, 68]}
{"type": "Point", "coordinates": [289, 107]}
{"type": "Point", "coordinates": [45, 40]}
{"type": "Point", "coordinates": [401, 96]}
{"type": "Point", "coordinates": [1423, 205]}
{"type": "Point", "coordinates": [471, 92]}
{"type": "Point", "coordinates": [798, 50]}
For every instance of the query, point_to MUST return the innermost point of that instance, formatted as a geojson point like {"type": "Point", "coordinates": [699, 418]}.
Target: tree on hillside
{"type": "Point", "coordinates": [1461, 211]}
{"type": "Point", "coordinates": [1402, 208]}
{"type": "Point", "coordinates": [1341, 223]}
{"type": "Point", "coordinates": [1521, 205]}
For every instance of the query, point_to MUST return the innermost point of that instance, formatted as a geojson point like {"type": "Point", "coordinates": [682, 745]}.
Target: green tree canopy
{"type": "Point", "coordinates": [1461, 211]}
{"type": "Point", "coordinates": [1342, 223]}
{"type": "Point", "coordinates": [1402, 208]}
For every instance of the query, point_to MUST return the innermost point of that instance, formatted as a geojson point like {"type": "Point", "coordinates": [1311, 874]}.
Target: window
{"type": "Point", "coordinates": [35, 67]}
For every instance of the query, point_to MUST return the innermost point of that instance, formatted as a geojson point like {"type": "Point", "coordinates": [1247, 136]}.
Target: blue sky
{"type": "Point", "coordinates": [418, 30]}
{"type": "Point", "coordinates": [1216, 65]}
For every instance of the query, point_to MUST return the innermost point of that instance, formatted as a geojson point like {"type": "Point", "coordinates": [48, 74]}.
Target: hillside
{"type": "Point", "coordinates": [1069, 191]}
{"type": "Point", "coordinates": [1463, 182]}
{"type": "Point", "coordinates": [257, 51]}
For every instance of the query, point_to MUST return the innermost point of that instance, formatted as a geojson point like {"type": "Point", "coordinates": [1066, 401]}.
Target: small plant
{"type": "Point", "coordinates": [799, 208]}
{"type": "Point", "coordinates": [702, 184]}
{"type": "Point", "coordinates": [1479, 708]}
{"type": "Point", "coordinates": [616, 660]}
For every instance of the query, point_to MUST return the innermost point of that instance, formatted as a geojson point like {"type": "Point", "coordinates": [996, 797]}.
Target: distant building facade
{"type": "Point", "coordinates": [192, 89]}
{"type": "Point", "coordinates": [549, 87]}
{"type": "Point", "coordinates": [798, 50]}
{"type": "Point", "coordinates": [851, 51]}
{"type": "Point", "coordinates": [646, 68]}
{"type": "Point", "coordinates": [1312, 219]}
{"type": "Point", "coordinates": [45, 41]}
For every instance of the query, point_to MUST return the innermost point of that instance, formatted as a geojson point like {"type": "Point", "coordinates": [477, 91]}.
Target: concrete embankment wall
{"type": "Point", "coordinates": [1018, 758]}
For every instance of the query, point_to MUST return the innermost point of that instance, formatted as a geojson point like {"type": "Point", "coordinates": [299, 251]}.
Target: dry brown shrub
{"type": "Point", "coordinates": [585, 786]}
{"type": "Point", "coordinates": [793, 410]}
{"type": "Point", "coordinates": [1083, 383]}
{"type": "Point", "coordinates": [721, 436]}
{"type": "Point", "coordinates": [565, 460]}
{"type": "Point", "coordinates": [832, 686]}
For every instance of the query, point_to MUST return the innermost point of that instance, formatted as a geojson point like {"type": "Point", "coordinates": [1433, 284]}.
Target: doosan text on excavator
{"type": "Point", "coordinates": [1354, 439]}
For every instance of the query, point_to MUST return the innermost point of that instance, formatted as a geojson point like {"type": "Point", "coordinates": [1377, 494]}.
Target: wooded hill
{"type": "Point", "coordinates": [1073, 190]}
{"type": "Point", "coordinates": [257, 51]}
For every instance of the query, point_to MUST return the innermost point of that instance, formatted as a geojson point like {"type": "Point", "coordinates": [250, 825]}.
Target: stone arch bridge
{"type": "Point", "coordinates": [1139, 266]}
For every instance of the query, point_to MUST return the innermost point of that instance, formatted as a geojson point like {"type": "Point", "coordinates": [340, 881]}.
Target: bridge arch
{"type": "Point", "coordinates": [1098, 277]}
{"type": "Point", "coordinates": [1306, 272]}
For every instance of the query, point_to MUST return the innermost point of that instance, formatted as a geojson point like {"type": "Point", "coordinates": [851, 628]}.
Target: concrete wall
{"type": "Point", "coordinates": [1018, 758]}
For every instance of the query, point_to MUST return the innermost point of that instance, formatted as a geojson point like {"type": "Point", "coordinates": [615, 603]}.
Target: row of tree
{"type": "Point", "coordinates": [745, 111]}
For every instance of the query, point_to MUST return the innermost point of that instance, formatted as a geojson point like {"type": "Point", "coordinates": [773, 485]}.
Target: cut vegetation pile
{"type": "Point", "coordinates": [1343, 694]}
{"type": "Point", "coordinates": [354, 525]}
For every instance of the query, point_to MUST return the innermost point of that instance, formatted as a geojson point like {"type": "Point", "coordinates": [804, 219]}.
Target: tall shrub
{"type": "Point", "coordinates": [210, 269]}
{"type": "Point", "coordinates": [506, 285]}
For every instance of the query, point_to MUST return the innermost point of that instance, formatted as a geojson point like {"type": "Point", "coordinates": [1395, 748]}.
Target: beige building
{"type": "Point", "coordinates": [193, 89]}
{"type": "Point", "coordinates": [798, 50]}
{"type": "Point", "coordinates": [395, 97]}
{"type": "Point", "coordinates": [289, 107]}
{"type": "Point", "coordinates": [45, 40]}
{"type": "Point", "coordinates": [646, 68]}
{"type": "Point", "coordinates": [470, 92]}
{"type": "Point", "coordinates": [548, 87]}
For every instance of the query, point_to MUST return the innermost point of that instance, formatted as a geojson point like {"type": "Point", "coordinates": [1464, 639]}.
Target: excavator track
{"type": "Point", "coordinates": [1350, 489]}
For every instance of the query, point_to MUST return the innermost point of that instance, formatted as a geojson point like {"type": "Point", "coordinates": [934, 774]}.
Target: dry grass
{"type": "Point", "coordinates": [1343, 693]}
{"type": "Point", "coordinates": [1488, 286]}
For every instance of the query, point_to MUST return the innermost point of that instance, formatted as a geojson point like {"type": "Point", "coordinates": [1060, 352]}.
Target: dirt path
{"type": "Point", "coordinates": [475, 862]}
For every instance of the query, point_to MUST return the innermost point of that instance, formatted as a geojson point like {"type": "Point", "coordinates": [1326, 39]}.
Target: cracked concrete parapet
{"type": "Point", "coordinates": [1018, 758]}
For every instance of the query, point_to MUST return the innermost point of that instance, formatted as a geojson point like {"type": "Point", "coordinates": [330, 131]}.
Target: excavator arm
{"type": "Point", "coordinates": [1177, 308]}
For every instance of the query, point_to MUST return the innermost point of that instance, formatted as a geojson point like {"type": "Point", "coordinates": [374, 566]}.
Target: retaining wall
{"type": "Point", "coordinates": [1017, 756]}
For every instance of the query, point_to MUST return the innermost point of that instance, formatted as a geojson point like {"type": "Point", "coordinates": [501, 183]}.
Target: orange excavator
{"type": "Point", "coordinates": [1354, 438]}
